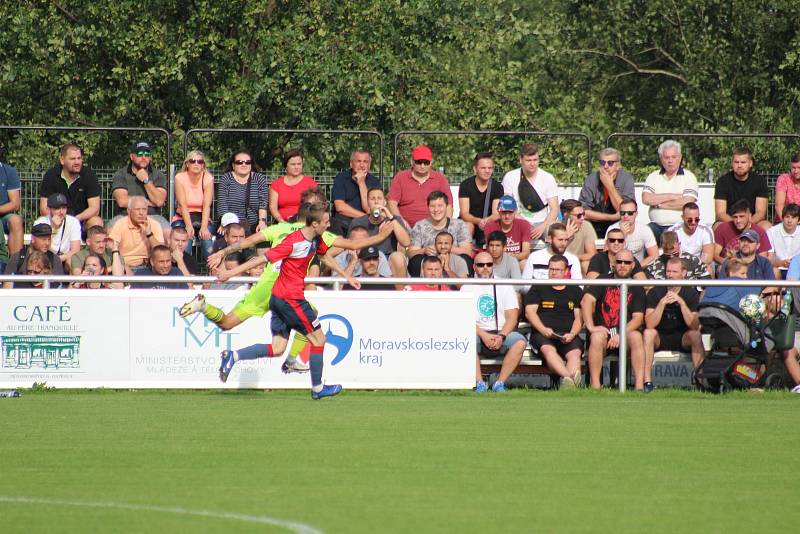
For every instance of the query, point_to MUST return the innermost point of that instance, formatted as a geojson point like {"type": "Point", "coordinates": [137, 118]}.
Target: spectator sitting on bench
{"type": "Point", "coordinates": [516, 230]}
{"type": "Point", "coordinates": [600, 308]}
{"type": "Point", "coordinates": [604, 189]}
{"type": "Point", "coordinates": [696, 239]}
{"type": "Point", "coordinates": [784, 238]}
{"type": "Point", "coordinates": [581, 236]}
{"type": "Point", "coordinates": [554, 312]}
{"type": "Point", "coordinates": [474, 207]}
{"type": "Point", "coordinates": [602, 263]}
{"type": "Point", "coordinates": [741, 184]}
{"type": "Point", "coordinates": [497, 317]}
{"type": "Point", "coordinates": [671, 248]}
{"type": "Point", "coordinates": [727, 234]}
{"type": "Point", "coordinates": [505, 265]}
{"type": "Point", "coordinates": [536, 266]}
{"type": "Point", "coordinates": [431, 268]}
{"type": "Point", "coordinates": [40, 241]}
{"type": "Point", "coordinates": [77, 183]}
{"type": "Point", "coordinates": [66, 239]}
{"type": "Point", "coordinates": [639, 239]}
{"type": "Point", "coordinates": [160, 265]}
{"type": "Point", "coordinates": [423, 235]}
{"type": "Point", "coordinates": [137, 234]}
{"type": "Point", "coordinates": [97, 242]}
{"type": "Point", "coordinates": [348, 260]}
{"type": "Point", "coordinates": [671, 320]}
{"type": "Point", "coordinates": [369, 260]}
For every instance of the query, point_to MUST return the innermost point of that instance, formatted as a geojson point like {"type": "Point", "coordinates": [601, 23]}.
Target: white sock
{"type": "Point", "coordinates": [317, 388]}
{"type": "Point", "coordinates": [236, 355]}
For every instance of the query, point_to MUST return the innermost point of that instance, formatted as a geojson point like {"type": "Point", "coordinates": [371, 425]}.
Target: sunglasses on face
{"type": "Point", "coordinates": [143, 153]}
{"type": "Point", "coordinates": [616, 239]}
{"type": "Point", "coordinates": [607, 162]}
{"type": "Point", "coordinates": [693, 219]}
{"type": "Point", "coordinates": [484, 265]}
{"type": "Point", "coordinates": [422, 162]}
{"type": "Point", "coordinates": [243, 162]}
{"type": "Point", "coordinates": [624, 262]}
{"type": "Point", "coordinates": [626, 212]}
{"type": "Point", "coordinates": [197, 161]}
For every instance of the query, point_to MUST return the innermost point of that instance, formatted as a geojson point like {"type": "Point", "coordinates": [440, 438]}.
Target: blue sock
{"type": "Point", "coordinates": [315, 362]}
{"type": "Point", "coordinates": [259, 350]}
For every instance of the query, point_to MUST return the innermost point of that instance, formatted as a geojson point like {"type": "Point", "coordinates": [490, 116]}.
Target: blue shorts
{"type": "Point", "coordinates": [291, 314]}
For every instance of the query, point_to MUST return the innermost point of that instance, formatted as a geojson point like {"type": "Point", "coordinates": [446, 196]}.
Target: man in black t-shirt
{"type": "Point", "coordinates": [472, 200]}
{"type": "Point", "coordinates": [76, 182]}
{"type": "Point", "coordinates": [671, 320]}
{"type": "Point", "coordinates": [600, 309]}
{"type": "Point", "coordinates": [741, 183]}
{"type": "Point", "coordinates": [602, 264]}
{"type": "Point", "coordinates": [554, 314]}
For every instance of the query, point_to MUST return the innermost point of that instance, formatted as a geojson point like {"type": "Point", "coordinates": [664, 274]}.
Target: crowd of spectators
{"type": "Point", "coordinates": [514, 228]}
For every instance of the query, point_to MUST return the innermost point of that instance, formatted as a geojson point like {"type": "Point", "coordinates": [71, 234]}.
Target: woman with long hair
{"type": "Point", "coordinates": [194, 193]}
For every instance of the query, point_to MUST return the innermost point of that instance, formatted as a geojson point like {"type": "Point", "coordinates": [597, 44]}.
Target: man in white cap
{"type": "Point", "coordinates": [232, 231]}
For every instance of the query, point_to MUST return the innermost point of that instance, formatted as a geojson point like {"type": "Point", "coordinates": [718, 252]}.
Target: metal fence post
{"type": "Point", "coordinates": [622, 363]}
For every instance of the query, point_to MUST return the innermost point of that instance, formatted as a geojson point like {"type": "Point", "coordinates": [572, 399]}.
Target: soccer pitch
{"type": "Point", "coordinates": [252, 461]}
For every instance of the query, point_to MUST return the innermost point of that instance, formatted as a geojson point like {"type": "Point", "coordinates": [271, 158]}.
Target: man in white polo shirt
{"type": "Point", "coordinates": [668, 189]}
{"type": "Point", "coordinates": [537, 265]}
{"type": "Point", "coordinates": [536, 195]}
{"type": "Point", "coordinates": [785, 239]}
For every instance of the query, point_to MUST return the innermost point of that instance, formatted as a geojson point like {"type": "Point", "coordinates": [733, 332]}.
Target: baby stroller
{"type": "Point", "coordinates": [740, 352]}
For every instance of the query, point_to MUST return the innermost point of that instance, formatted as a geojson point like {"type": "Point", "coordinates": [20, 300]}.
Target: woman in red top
{"type": "Point", "coordinates": [285, 191]}
{"type": "Point", "coordinates": [194, 193]}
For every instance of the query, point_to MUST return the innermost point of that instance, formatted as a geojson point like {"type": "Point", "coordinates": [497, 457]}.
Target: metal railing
{"type": "Point", "coordinates": [337, 283]}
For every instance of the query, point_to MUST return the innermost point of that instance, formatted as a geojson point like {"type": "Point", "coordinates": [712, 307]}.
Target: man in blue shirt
{"type": "Point", "coordinates": [9, 205]}
{"type": "Point", "coordinates": [349, 192]}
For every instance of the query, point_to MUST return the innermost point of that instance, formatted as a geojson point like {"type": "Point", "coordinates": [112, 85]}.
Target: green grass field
{"type": "Point", "coordinates": [156, 461]}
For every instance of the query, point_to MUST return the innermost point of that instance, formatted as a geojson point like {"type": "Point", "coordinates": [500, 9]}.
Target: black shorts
{"type": "Point", "coordinates": [537, 340]}
{"type": "Point", "coordinates": [670, 340]}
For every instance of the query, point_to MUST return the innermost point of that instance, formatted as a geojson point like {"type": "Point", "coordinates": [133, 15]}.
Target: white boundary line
{"type": "Point", "coordinates": [293, 526]}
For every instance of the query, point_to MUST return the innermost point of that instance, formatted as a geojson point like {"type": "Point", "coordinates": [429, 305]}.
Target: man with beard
{"type": "Point", "coordinates": [537, 265]}
{"type": "Point", "coordinates": [741, 184]}
{"type": "Point", "coordinates": [727, 234]}
{"type": "Point", "coordinates": [139, 178]}
{"type": "Point", "coordinates": [600, 307]}
{"type": "Point", "coordinates": [696, 239]}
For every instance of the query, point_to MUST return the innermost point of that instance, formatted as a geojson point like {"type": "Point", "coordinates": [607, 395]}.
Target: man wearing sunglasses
{"type": "Point", "coordinates": [139, 179]}
{"type": "Point", "coordinates": [639, 239]}
{"type": "Point", "coordinates": [602, 264]}
{"type": "Point", "coordinates": [600, 308]}
{"type": "Point", "coordinates": [696, 238]}
{"type": "Point", "coordinates": [604, 189]}
{"type": "Point", "coordinates": [409, 190]}
{"type": "Point", "coordinates": [581, 237]}
{"type": "Point", "coordinates": [668, 189]}
{"type": "Point", "coordinates": [496, 322]}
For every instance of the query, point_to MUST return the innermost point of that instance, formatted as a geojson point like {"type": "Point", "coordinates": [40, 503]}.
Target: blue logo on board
{"type": "Point", "coordinates": [338, 334]}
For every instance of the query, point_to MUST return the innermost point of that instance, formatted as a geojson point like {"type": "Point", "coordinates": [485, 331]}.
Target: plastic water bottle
{"type": "Point", "coordinates": [10, 393]}
{"type": "Point", "coordinates": [786, 309]}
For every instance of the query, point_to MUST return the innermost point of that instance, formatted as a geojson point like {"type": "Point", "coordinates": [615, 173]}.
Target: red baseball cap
{"type": "Point", "coordinates": [422, 152]}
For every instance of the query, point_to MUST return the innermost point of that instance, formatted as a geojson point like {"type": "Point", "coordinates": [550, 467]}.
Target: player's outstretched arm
{"type": "Point", "coordinates": [215, 259]}
{"type": "Point", "coordinates": [385, 231]}
{"type": "Point", "coordinates": [329, 260]}
{"type": "Point", "coordinates": [224, 275]}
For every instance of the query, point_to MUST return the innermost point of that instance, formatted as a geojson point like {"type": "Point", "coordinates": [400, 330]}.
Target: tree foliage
{"type": "Point", "coordinates": [391, 65]}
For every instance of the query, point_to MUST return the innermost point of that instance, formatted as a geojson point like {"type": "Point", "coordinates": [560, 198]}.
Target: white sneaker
{"type": "Point", "coordinates": [796, 389]}
{"type": "Point", "coordinates": [294, 366]}
{"type": "Point", "coordinates": [567, 382]}
{"type": "Point", "coordinates": [197, 304]}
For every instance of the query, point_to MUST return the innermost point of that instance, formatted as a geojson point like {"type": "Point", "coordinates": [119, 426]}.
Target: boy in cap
{"type": "Point", "coordinates": [516, 230]}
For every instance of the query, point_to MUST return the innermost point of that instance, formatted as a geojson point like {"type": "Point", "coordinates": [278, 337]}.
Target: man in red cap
{"type": "Point", "coordinates": [409, 190]}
